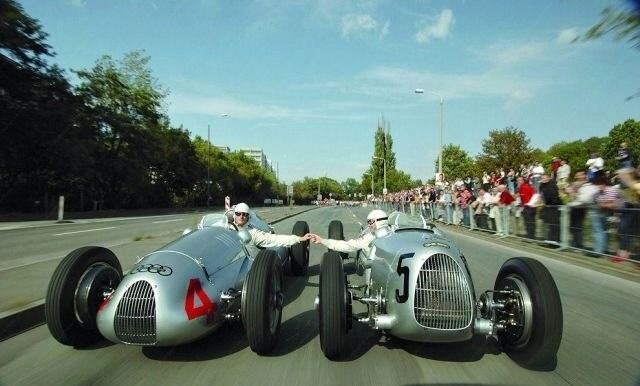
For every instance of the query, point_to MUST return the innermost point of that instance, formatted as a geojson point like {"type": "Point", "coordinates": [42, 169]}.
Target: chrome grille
{"type": "Point", "coordinates": [442, 298]}
{"type": "Point", "coordinates": [135, 320]}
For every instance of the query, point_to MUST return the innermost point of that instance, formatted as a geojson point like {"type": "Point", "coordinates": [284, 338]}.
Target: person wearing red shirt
{"type": "Point", "coordinates": [555, 164]}
{"type": "Point", "coordinates": [528, 205]}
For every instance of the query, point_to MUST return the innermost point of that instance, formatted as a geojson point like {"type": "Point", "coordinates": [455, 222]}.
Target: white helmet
{"type": "Point", "coordinates": [241, 207]}
{"type": "Point", "coordinates": [378, 216]}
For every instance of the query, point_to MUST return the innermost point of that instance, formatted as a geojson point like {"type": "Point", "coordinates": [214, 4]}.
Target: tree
{"type": "Point", "coordinates": [44, 150]}
{"type": "Point", "coordinates": [506, 148]}
{"type": "Point", "coordinates": [628, 132]}
{"type": "Point", "coordinates": [383, 148]}
{"type": "Point", "coordinates": [625, 23]}
{"type": "Point", "coordinates": [457, 164]}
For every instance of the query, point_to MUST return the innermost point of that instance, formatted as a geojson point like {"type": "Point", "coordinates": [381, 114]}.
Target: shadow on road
{"type": "Point", "coordinates": [470, 351]}
{"type": "Point", "coordinates": [294, 285]}
{"type": "Point", "coordinates": [296, 332]}
{"type": "Point", "coordinates": [96, 346]}
{"type": "Point", "coordinates": [228, 339]}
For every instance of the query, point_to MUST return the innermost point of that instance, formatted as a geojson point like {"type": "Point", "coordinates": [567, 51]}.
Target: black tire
{"type": "Point", "coordinates": [332, 310]}
{"type": "Point", "coordinates": [537, 346]}
{"type": "Point", "coordinates": [336, 232]}
{"type": "Point", "coordinates": [88, 268]}
{"type": "Point", "coordinates": [262, 302]}
{"type": "Point", "coordinates": [299, 260]}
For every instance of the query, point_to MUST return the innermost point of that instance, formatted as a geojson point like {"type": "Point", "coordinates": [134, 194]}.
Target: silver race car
{"type": "Point", "coordinates": [418, 287]}
{"type": "Point", "coordinates": [177, 294]}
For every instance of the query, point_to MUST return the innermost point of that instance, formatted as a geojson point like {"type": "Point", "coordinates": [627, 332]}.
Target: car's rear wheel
{"type": "Point", "coordinates": [336, 232]}
{"type": "Point", "coordinates": [78, 286]}
{"type": "Point", "coordinates": [333, 307]}
{"type": "Point", "coordinates": [533, 312]}
{"type": "Point", "coordinates": [300, 251]}
{"type": "Point", "coordinates": [262, 302]}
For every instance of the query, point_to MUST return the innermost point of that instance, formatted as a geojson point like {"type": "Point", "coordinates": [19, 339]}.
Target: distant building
{"type": "Point", "coordinates": [224, 149]}
{"type": "Point", "coordinates": [256, 154]}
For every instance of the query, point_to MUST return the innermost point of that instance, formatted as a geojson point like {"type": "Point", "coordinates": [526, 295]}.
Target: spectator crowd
{"type": "Point", "coordinates": [548, 204]}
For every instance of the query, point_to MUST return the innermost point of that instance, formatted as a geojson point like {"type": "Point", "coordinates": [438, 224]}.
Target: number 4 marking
{"type": "Point", "coordinates": [207, 307]}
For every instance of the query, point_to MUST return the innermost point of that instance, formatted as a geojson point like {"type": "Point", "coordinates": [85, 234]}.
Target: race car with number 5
{"type": "Point", "coordinates": [177, 294]}
{"type": "Point", "coordinates": [417, 286]}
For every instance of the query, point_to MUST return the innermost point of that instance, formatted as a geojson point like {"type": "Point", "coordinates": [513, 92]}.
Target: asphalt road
{"type": "Point", "coordinates": [30, 254]}
{"type": "Point", "coordinates": [600, 345]}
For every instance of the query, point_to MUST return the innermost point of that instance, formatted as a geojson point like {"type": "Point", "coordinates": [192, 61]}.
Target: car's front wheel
{"type": "Point", "coordinates": [262, 302]}
{"type": "Point", "coordinates": [333, 307]}
{"type": "Point", "coordinates": [532, 315]}
{"type": "Point", "coordinates": [80, 283]}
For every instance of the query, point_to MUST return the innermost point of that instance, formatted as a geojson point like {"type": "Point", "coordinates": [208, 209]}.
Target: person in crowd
{"type": "Point", "coordinates": [607, 200]}
{"type": "Point", "coordinates": [624, 157]}
{"type": "Point", "coordinates": [511, 181]}
{"type": "Point", "coordinates": [555, 164]}
{"type": "Point", "coordinates": [629, 226]}
{"type": "Point", "coordinates": [536, 173]}
{"type": "Point", "coordinates": [481, 208]}
{"type": "Point", "coordinates": [550, 212]}
{"type": "Point", "coordinates": [528, 202]}
{"type": "Point", "coordinates": [582, 193]}
{"type": "Point", "coordinates": [260, 238]}
{"type": "Point", "coordinates": [563, 173]}
{"type": "Point", "coordinates": [464, 199]}
{"type": "Point", "coordinates": [448, 200]}
{"type": "Point", "coordinates": [594, 166]}
{"type": "Point", "coordinates": [505, 200]}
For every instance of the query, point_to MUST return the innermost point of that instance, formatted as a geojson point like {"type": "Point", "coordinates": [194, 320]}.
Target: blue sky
{"type": "Point", "coordinates": [308, 80]}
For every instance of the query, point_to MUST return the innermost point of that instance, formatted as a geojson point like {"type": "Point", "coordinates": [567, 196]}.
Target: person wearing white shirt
{"type": "Point", "coordinates": [260, 238]}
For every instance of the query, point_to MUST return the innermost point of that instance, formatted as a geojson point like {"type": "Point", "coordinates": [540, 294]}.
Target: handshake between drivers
{"type": "Point", "coordinates": [313, 237]}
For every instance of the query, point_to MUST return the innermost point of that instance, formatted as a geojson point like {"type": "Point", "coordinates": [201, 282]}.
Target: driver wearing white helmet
{"type": "Point", "coordinates": [260, 238]}
{"type": "Point", "coordinates": [375, 220]}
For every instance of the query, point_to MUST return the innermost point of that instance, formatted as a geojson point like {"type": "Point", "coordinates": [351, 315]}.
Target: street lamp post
{"type": "Point", "coordinates": [384, 173]}
{"type": "Point", "coordinates": [421, 91]}
{"type": "Point", "coordinates": [371, 175]}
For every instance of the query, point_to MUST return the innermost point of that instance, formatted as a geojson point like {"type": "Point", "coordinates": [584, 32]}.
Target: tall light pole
{"type": "Point", "coordinates": [421, 91]}
{"type": "Point", "coordinates": [384, 173]}
{"type": "Point", "coordinates": [371, 175]}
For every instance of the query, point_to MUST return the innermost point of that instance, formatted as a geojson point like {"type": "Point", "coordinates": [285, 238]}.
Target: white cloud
{"type": "Point", "coordinates": [360, 25]}
{"type": "Point", "coordinates": [440, 29]}
{"type": "Point", "coordinates": [193, 103]}
{"type": "Point", "coordinates": [385, 29]}
{"type": "Point", "coordinates": [567, 36]}
{"type": "Point", "coordinates": [515, 90]}
{"type": "Point", "coordinates": [509, 52]}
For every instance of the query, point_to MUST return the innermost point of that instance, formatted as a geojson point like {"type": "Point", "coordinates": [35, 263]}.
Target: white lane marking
{"type": "Point", "coordinates": [359, 223]}
{"type": "Point", "coordinates": [354, 216]}
{"type": "Point", "coordinates": [87, 230]}
{"type": "Point", "coordinates": [163, 221]}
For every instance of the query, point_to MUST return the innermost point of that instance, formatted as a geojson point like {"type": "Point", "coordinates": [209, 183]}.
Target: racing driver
{"type": "Point", "coordinates": [259, 238]}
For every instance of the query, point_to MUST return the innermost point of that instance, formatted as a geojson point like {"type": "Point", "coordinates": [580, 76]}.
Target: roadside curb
{"type": "Point", "coordinates": [17, 321]}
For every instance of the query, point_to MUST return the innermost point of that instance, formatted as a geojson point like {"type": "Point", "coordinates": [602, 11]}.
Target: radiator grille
{"type": "Point", "coordinates": [442, 298]}
{"type": "Point", "coordinates": [135, 320]}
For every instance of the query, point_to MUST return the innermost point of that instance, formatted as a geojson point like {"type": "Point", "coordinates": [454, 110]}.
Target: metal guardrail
{"type": "Point", "coordinates": [582, 228]}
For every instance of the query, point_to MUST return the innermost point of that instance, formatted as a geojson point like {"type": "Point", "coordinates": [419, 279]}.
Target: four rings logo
{"type": "Point", "coordinates": [161, 270]}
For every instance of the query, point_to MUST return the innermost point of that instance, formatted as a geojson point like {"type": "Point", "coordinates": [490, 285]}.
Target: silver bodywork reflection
{"type": "Point", "coordinates": [184, 290]}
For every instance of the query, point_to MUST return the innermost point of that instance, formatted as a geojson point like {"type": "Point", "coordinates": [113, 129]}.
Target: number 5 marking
{"type": "Point", "coordinates": [404, 272]}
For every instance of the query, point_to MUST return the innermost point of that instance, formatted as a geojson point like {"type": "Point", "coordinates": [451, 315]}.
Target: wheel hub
{"type": "Point", "coordinates": [98, 280]}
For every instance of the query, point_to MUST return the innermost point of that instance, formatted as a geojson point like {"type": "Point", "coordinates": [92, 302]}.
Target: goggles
{"type": "Point", "coordinates": [242, 214]}
{"type": "Point", "coordinates": [371, 222]}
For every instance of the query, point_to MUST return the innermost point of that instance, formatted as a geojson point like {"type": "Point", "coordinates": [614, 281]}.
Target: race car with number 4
{"type": "Point", "coordinates": [177, 294]}
{"type": "Point", "coordinates": [418, 287]}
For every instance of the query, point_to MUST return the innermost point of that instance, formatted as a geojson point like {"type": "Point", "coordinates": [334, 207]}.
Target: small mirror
{"type": "Point", "coordinates": [245, 236]}
{"type": "Point", "coordinates": [186, 231]}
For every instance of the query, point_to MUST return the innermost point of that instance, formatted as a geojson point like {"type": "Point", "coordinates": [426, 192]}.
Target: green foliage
{"type": "Point", "coordinates": [306, 190]}
{"type": "Point", "coordinates": [506, 148]}
{"type": "Point", "coordinates": [624, 23]}
{"type": "Point", "coordinates": [456, 163]}
{"type": "Point", "coordinates": [628, 132]}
